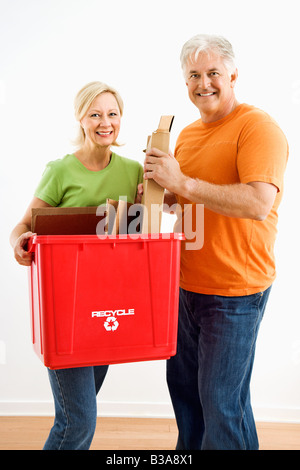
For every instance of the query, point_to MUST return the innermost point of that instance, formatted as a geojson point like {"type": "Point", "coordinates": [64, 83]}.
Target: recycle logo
{"type": "Point", "coordinates": [111, 324]}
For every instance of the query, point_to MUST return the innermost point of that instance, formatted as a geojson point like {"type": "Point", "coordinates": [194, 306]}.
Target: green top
{"type": "Point", "coordinates": [68, 183]}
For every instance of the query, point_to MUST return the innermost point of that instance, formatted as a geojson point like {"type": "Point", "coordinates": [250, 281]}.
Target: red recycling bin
{"type": "Point", "coordinates": [104, 301]}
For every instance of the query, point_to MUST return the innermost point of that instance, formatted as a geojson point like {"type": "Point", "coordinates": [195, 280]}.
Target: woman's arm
{"type": "Point", "coordinates": [22, 232]}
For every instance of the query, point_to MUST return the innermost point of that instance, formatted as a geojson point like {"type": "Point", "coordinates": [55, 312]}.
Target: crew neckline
{"type": "Point", "coordinates": [228, 117]}
{"type": "Point", "coordinates": [84, 168]}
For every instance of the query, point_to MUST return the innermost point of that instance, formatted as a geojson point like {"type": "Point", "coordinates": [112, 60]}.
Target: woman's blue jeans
{"type": "Point", "coordinates": [74, 392]}
{"type": "Point", "coordinates": [209, 378]}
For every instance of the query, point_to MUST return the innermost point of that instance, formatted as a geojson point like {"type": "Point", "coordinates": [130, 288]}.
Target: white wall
{"type": "Point", "coordinates": [49, 49]}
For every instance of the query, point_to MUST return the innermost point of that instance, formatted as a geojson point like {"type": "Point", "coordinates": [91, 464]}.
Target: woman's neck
{"type": "Point", "coordinates": [94, 158]}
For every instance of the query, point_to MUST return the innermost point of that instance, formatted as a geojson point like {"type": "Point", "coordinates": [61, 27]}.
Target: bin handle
{"type": "Point", "coordinates": [31, 245]}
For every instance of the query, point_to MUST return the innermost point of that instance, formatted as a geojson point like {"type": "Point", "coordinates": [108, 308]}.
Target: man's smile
{"type": "Point", "coordinates": [206, 94]}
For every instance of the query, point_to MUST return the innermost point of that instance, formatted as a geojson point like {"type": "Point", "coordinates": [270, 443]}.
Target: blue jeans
{"type": "Point", "coordinates": [74, 391]}
{"type": "Point", "coordinates": [209, 378]}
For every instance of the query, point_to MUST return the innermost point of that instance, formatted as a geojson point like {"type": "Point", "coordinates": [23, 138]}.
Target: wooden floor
{"type": "Point", "coordinates": [30, 433]}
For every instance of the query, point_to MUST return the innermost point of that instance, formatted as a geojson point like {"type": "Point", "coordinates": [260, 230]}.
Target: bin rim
{"type": "Point", "coordinates": [70, 239]}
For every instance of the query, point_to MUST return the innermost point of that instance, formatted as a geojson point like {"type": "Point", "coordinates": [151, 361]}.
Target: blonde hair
{"type": "Point", "coordinates": [84, 99]}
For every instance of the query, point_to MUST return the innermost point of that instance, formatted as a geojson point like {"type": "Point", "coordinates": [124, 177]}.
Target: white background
{"type": "Point", "coordinates": [49, 50]}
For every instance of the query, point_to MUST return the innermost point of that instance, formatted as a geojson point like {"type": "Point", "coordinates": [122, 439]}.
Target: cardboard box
{"type": "Point", "coordinates": [65, 220]}
{"type": "Point", "coordinates": [153, 196]}
{"type": "Point", "coordinates": [85, 220]}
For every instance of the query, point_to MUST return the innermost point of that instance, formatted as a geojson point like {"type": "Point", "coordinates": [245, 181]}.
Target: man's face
{"type": "Point", "coordinates": [210, 86]}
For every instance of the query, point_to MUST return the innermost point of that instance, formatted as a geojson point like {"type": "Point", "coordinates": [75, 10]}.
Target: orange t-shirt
{"type": "Point", "coordinates": [237, 256]}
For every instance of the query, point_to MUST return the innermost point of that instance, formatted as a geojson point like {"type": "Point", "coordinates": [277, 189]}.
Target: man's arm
{"type": "Point", "coordinates": [251, 201]}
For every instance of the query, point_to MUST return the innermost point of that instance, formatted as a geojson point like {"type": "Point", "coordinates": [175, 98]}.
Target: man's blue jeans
{"type": "Point", "coordinates": [74, 392]}
{"type": "Point", "coordinates": [209, 378]}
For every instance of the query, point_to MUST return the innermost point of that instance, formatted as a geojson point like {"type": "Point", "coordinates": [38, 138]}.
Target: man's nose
{"type": "Point", "coordinates": [204, 82]}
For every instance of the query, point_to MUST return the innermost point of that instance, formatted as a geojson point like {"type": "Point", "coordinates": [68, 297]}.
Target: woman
{"type": "Point", "coordinates": [84, 178]}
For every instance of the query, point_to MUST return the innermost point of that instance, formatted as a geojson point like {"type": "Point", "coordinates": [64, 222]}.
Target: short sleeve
{"type": "Point", "coordinates": [262, 153]}
{"type": "Point", "coordinates": [49, 188]}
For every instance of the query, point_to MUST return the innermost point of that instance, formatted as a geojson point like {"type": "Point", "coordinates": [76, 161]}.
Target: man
{"type": "Point", "coordinates": [232, 160]}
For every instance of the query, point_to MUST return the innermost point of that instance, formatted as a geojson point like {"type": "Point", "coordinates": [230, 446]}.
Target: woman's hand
{"type": "Point", "coordinates": [139, 194]}
{"type": "Point", "coordinates": [21, 233]}
{"type": "Point", "coordinates": [22, 256]}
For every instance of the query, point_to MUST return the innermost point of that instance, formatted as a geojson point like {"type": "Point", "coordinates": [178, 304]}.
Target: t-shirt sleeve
{"type": "Point", "coordinates": [49, 188]}
{"type": "Point", "coordinates": [262, 154]}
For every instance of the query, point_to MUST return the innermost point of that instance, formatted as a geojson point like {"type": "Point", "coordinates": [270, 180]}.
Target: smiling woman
{"type": "Point", "coordinates": [103, 116]}
{"type": "Point", "coordinates": [101, 126]}
{"type": "Point", "coordinates": [86, 178]}
{"type": "Point", "coordinates": [98, 109]}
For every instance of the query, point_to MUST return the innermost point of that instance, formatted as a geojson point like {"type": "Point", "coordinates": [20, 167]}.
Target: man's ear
{"type": "Point", "coordinates": [233, 78]}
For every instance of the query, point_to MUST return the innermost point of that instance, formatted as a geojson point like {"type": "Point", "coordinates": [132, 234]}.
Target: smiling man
{"type": "Point", "coordinates": [232, 160]}
{"type": "Point", "coordinates": [211, 85]}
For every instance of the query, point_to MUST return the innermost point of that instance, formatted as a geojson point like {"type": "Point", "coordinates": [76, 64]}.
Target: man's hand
{"type": "Point", "coordinates": [164, 169]}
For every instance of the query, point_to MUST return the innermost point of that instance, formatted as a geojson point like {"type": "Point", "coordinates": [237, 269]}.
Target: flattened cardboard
{"type": "Point", "coordinates": [111, 210]}
{"type": "Point", "coordinates": [117, 212]}
{"type": "Point", "coordinates": [65, 220]}
{"type": "Point", "coordinates": [153, 195]}
{"type": "Point", "coordinates": [119, 219]}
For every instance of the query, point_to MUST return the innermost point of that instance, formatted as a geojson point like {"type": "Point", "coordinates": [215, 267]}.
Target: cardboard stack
{"type": "Point", "coordinates": [85, 220]}
{"type": "Point", "coordinates": [153, 196]}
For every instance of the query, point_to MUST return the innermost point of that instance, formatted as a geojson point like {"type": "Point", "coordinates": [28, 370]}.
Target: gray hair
{"type": "Point", "coordinates": [208, 43]}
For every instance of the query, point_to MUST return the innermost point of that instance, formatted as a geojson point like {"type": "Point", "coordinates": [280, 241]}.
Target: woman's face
{"type": "Point", "coordinates": [101, 123]}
